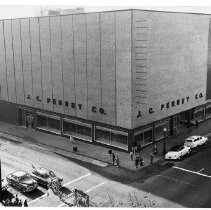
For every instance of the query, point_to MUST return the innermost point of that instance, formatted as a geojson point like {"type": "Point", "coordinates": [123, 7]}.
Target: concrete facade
{"type": "Point", "coordinates": [169, 64]}
{"type": "Point", "coordinates": [120, 70]}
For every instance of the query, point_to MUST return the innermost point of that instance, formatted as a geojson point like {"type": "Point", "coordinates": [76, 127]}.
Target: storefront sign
{"type": "Point", "coordinates": [170, 104]}
{"type": "Point", "coordinates": [74, 106]}
{"type": "Point", "coordinates": [101, 110]}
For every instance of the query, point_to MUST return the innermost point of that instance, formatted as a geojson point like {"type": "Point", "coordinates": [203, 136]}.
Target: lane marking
{"type": "Point", "coordinates": [176, 180]}
{"type": "Point", "coordinates": [87, 191]}
{"type": "Point", "coordinates": [75, 180]}
{"type": "Point", "coordinates": [194, 172]}
{"type": "Point", "coordinates": [95, 187]}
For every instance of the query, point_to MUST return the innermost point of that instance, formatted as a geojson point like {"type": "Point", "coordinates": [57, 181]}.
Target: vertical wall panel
{"type": "Point", "coordinates": [16, 32]}
{"type": "Point", "coordinates": [3, 72]}
{"type": "Point", "coordinates": [80, 64]}
{"type": "Point", "coordinates": [46, 63]}
{"type": "Point", "coordinates": [36, 63]}
{"type": "Point", "coordinates": [57, 77]}
{"type": "Point", "coordinates": [68, 63]}
{"type": "Point", "coordinates": [123, 68]}
{"type": "Point", "coordinates": [107, 25]}
{"type": "Point", "coordinates": [26, 57]}
{"type": "Point", "coordinates": [9, 61]}
{"type": "Point", "coordinates": [93, 66]}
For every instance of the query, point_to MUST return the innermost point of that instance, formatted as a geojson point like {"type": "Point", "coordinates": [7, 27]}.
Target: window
{"type": "Point", "coordinates": [144, 137]}
{"type": "Point", "coordinates": [111, 137]}
{"type": "Point", "coordinates": [66, 103]}
{"type": "Point", "coordinates": [48, 122]}
{"type": "Point", "coordinates": [158, 130]}
{"type": "Point", "coordinates": [60, 102]}
{"type": "Point", "coordinates": [208, 111]}
{"type": "Point", "coordinates": [77, 129]}
{"type": "Point", "coordinates": [54, 101]}
{"type": "Point", "coordinates": [199, 114]}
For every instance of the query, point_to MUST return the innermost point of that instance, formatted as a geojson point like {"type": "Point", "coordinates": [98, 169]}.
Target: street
{"type": "Point", "coordinates": [183, 183]}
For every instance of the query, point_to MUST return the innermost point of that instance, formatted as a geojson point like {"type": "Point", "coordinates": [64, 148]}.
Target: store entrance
{"type": "Point", "coordinates": [26, 118]}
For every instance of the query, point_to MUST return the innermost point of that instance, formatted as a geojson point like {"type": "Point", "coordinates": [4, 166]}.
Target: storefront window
{"type": "Point", "coordinates": [159, 130]}
{"type": "Point", "coordinates": [42, 121]}
{"type": "Point", "coordinates": [77, 129]}
{"type": "Point", "coordinates": [111, 137]}
{"type": "Point", "coordinates": [199, 114]}
{"type": "Point", "coordinates": [48, 122]}
{"type": "Point", "coordinates": [208, 111]}
{"type": "Point", "coordinates": [144, 137]}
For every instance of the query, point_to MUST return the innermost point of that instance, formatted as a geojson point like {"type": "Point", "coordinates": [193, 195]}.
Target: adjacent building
{"type": "Point", "coordinates": [114, 78]}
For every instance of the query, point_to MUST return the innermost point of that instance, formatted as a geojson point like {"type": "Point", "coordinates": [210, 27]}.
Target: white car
{"type": "Point", "coordinates": [195, 141]}
{"type": "Point", "coordinates": [4, 185]}
{"type": "Point", "coordinates": [177, 152]}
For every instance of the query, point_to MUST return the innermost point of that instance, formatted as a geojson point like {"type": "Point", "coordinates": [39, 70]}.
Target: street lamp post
{"type": "Point", "coordinates": [164, 140]}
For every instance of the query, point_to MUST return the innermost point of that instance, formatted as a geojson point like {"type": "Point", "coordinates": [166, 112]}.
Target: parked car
{"type": "Point", "coordinates": [44, 177]}
{"type": "Point", "coordinates": [4, 185]}
{"type": "Point", "coordinates": [195, 141]}
{"type": "Point", "coordinates": [177, 152]}
{"type": "Point", "coordinates": [22, 180]}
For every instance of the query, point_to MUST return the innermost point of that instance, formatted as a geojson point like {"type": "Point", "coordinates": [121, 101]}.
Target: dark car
{"type": "Point", "coordinates": [22, 180]}
{"type": "Point", "coordinates": [45, 177]}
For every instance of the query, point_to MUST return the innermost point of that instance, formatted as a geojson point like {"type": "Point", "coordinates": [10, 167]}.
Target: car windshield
{"type": "Point", "coordinates": [188, 140]}
{"type": "Point", "coordinates": [25, 177]}
{"type": "Point", "coordinates": [176, 148]}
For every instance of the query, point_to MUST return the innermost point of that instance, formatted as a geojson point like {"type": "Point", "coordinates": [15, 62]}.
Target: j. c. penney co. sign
{"type": "Point", "coordinates": [170, 104]}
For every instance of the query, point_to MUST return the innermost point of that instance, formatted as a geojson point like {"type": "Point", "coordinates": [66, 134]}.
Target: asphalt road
{"type": "Point", "coordinates": [185, 183]}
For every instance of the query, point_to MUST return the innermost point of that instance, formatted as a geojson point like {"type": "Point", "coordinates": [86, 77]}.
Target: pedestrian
{"type": "Point", "coordinates": [117, 161]}
{"type": "Point", "coordinates": [27, 123]}
{"type": "Point", "coordinates": [136, 161]}
{"type": "Point", "coordinates": [155, 150]}
{"type": "Point", "coordinates": [16, 198]}
{"type": "Point", "coordinates": [141, 161]}
{"type": "Point", "coordinates": [197, 124]}
{"type": "Point", "coordinates": [113, 158]}
{"type": "Point", "coordinates": [131, 155]}
{"type": "Point", "coordinates": [151, 158]}
{"type": "Point", "coordinates": [20, 203]}
{"type": "Point", "coordinates": [25, 204]}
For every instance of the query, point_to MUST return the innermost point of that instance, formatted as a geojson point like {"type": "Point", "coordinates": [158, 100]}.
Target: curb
{"type": "Point", "coordinates": [10, 137]}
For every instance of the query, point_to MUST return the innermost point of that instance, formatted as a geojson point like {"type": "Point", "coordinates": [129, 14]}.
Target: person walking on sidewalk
{"type": "Point", "coordinates": [151, 158]}
{"type": "Point", "coordinates": [136, 161]}
{"type": "Point", "coordinates": [113, 158]}
{"type": "Point", "coordinates": [141, 161]}
{"type": "Point", "coordinates": [155, 150]}
{"type": "Point", "coordinates": [131, 155]}
{"type": "Point", "coordinates": [117, 162]}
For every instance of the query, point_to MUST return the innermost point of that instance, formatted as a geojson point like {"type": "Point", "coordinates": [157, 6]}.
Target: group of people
{"type": "Point", "coordinates": [115, 160]}
{"type": "Point", "coordinates": [15, 202]}
{"type": "Point", "coordinates": [138, 159]}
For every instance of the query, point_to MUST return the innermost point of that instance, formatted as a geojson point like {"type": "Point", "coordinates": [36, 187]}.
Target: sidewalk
{"type": "Point", "coordinates": [94, 154]}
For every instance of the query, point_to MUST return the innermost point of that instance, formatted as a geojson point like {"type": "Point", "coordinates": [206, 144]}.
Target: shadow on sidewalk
{"type": "Point", "coordinates": [121, 174]}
